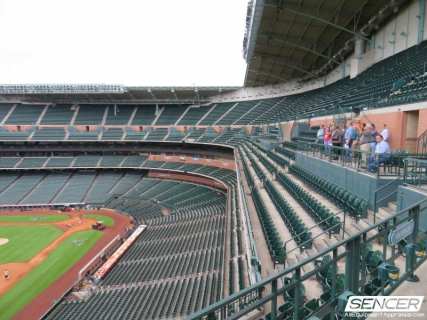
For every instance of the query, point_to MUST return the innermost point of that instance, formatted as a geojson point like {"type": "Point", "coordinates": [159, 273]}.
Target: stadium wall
{"type": "Point", "coordinates": [396, 118]}
{"type": "Point", "coordinates": [406, 196]}
{"type": "Point", "coordinates": [360, 184]}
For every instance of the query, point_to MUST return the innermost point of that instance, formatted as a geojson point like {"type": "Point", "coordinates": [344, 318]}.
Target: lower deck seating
{"type": "Point", "coordinates": [51, 134]}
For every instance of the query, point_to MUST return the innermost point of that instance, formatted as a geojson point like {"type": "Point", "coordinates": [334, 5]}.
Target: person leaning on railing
{"type": "Point", "coordinates": [350, 135]}
{"type": "Point", "coordinates": [320, 133]}
{"type": "Point", "coordinates": [382, 154]}
{"type": "Point", "coordinates": [365, 141]}
{"type": "Point", "coordinates": [337, 140]}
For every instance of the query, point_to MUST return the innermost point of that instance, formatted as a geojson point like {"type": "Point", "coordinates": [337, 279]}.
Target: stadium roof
{"type": "Point", "coordinates": [101, 93]}
{"type": "Point", "coordinates": [291, 39]}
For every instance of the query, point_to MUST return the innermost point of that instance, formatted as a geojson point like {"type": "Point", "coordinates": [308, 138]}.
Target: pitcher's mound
{"type": "Point", "coordinates": [3, 241]}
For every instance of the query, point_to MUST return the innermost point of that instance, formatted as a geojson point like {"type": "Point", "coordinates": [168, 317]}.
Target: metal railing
{"type": "Point", "coordinates": [379, 165]}
{"type": "Point", "coordinates": [415, 172]}
{"type": "Point", "coordinates": [267, 294]}
{"type": "Point", "coordinates": [422, 143]}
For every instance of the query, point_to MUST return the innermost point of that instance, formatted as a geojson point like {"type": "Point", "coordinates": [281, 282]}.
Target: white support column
{"type": "Point", "coordinates": [225, 113]}
{"type": "Point", "coordinates": [39, 120]}
{"type": "Point", "coordinates": [8, 114]}
{"type": "Point", "coordinates": [132, 116]}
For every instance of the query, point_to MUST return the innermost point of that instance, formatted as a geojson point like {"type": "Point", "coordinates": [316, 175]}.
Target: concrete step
{"type": "Point", "coordinates": [364, 223]}
{"type": "Point", "coordinates": [351, 229]}
{"type": "Point", "coordinates": [291, 261]}
{"type": "Point", "coordinates": [319, 245]}
{"type": "Point", "coordinates": [392, 206]}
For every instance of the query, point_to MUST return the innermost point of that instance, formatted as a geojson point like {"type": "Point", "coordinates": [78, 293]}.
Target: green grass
{"type": "Point", "coordinates": [108, 221]}
{"type": "Point", "coordinates": [63, 258]}
{"type": "Point", "coordinates": [35, 218]}
{"type": "Point", "coordinates": [25, 241]}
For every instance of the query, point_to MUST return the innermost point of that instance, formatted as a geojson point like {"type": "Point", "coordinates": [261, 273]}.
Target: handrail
{"type": "Point", "coordinates": [422, 143]}
{"type": "Point", "coordinates": [314, 226]}
{"type": "Point", "coordinates": [327, 231]}
{"type": "Point", "coordinates": [415, 171]}
{"type": "Point", "coordinates": [275, 277]}
{"type": "Point", "coordinates": [357, 159]}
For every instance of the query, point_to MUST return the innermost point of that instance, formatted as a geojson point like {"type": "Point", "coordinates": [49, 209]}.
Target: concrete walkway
{"type": "Point", "coordinates": [260, 243]}
{"type": "Point", "coordinates": [414, 289]}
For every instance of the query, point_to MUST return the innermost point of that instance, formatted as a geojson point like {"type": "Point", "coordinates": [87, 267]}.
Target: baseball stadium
{"type": "Point", "coordinates": [289, 197]}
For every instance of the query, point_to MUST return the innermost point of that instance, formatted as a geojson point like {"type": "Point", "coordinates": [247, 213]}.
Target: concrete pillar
{"type": "Point", "coordinates": [421, 21]}
{"type": "Point", "coordinates": [356, 62]}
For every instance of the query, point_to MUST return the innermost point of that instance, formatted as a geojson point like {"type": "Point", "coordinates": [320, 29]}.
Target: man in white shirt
{"type": "Point", "coordinates": [385, 133]}
{"type": "Point", "coordinates": [382, 153]}
{"type": "Point", "coordinates": [320, 134]}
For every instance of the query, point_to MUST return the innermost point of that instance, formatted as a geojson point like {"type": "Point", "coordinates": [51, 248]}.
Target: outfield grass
{"type": "Point", "coordinates": [34, 218]}
{"type": "Point", "coordinates": [25, 241]}
{"type": "Point", "coordinates": [108, 221]}
{"type": "Point", "coordinates": [57, 263]}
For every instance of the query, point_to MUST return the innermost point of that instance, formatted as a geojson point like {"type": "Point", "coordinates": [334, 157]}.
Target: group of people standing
{"type": "Point", "coordinates": [373, 144]}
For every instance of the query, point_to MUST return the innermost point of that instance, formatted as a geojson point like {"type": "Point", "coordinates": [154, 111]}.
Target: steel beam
{"type": "Point", "coordinates": [316, 18]}
{"type": "Point", "coordinates": [266, 74]}
{"type": "Point", "coordinates": [280, 61]}
{"type": "Point", "coordinates": [298, 46]}
{"type": "Point", "coordinates": [421, 21]}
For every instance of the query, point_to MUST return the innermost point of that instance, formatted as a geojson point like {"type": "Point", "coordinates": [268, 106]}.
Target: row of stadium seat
{"type": "Point", "coordinates": [322, 215]}
{"type": "Point", "coordinates": [71, 133]}
{"type": "Point", "coordinates": [354, 205]}
{"type": "Point", "coordinates": [397, 79]}
{"type": "Point", "coordinates": [159, 300]}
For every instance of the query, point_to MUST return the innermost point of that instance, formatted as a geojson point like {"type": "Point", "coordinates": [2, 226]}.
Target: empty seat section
{"type": "Point", "coordinates": [119, 114]}
{"type": "Point", "coordinates": [170, 114]}
{"type": "Point", "coordinates": [157, 134]}
{"type": "Point", "coordinates": [145, 115]}
{"type": "Point", "coordinates": [75, 188]}
{"type": "Point", "coordinates": [32, 162]}
{"type": "Point", "coordinates": [25, 114]}
{"type": "Point", "coordinates": [209, 135]}
{"type": "Point", "coordinates": [112, 134]}
{"type": "Point", "coordinates": [128, 181]}
{"type": "Point", "coordinates": [14, 135]}
{"type": "Point", "coordinates": [172, 165]}
{"type": "Point", "coordinates": [90, 114]}
{"type": "Point", "coordinates": [133, 161]}
{"type": "Point", "coordinates": [86, 161]}
{"type": "Point", "coordinates": [111, 161]}
{"type": "Point", "coordinates": [195, 134]}
{"type": "Point", "coordinates": [43, 134]}
{"type": "Point", "coordinates": [153, 164]}
{"type": "Point", "coordinates": [103, 184]}
{"type": "Point", "coordinates": [47, 189]}
{"type": "Point", "coordinates": [59, 114]}
{"type": "Point", "coordinates": [175, 135]}
{"type": "Point", "coordinates": [261, 107]}
{"type": "Point", "coordinates": [236, 112]}
{"type": "Point", "coordinates": [4, 110]}
{"type": "Point", "coordinates": [193, 115]}
{"type": "Point", "coordinates": [6, 178]}
{"type": "Point", "coordinates": [83, 134]}
{"type": "Point", "coordinates": [59, 162]}
{"type": "Point", "coordinates": [216, 113]}
{"type": "Point", "coordinates": [19, 188]}
{"type": "Point", "coordinates": [134, 135]}
{"type": "Point", "coordinates": [8, 162]}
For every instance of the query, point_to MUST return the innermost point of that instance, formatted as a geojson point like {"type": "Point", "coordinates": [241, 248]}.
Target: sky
{"type": "Point", "coordinates": [127, 42]}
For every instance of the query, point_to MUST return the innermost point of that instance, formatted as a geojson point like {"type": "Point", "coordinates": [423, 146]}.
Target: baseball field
{"type": "Point", "coordinates": [37, 249]}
